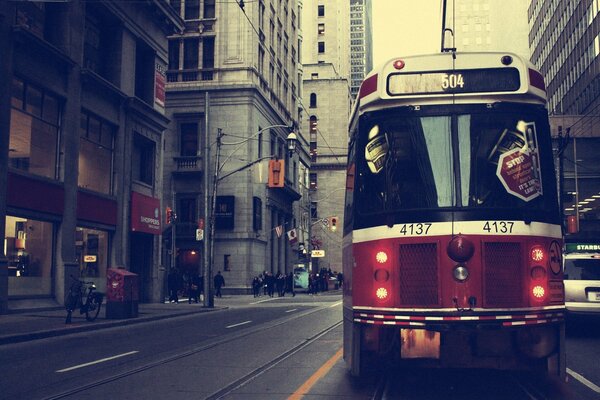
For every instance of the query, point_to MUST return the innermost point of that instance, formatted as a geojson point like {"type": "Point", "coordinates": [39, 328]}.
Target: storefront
{"type": "Point", "coordinates": [29, 247]}
{"type": "Point", "coordinates": [145, 226]}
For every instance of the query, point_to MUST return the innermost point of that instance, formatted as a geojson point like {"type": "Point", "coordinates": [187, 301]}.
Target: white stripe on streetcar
{"type": "Point", "coordinates": [97, 361]}
{"type": "Point", "coordinates": [241, 323]}
{"type": "Point", "coordinates": [510, 228]}
{"type": "Point", "coordinates": [586, 382]}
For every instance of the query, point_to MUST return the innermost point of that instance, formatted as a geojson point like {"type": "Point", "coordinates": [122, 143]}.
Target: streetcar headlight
{"type": "Point", "coordinates": [460, 273]}
{"type": "Point", "coordinates": [381, 257]}
{"type": "Point", "coordinates": [381, 293]}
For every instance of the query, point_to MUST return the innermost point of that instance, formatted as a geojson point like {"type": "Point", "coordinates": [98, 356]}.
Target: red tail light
{"type": "Point", "coordinates": [537, 254]}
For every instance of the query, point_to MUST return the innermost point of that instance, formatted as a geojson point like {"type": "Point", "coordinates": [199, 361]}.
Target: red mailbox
{"type": "Point", "coordinates": [122, 294]}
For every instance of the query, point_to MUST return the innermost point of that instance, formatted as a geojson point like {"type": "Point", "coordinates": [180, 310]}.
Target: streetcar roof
{"type": "Point", "coordinates": [378, 90]}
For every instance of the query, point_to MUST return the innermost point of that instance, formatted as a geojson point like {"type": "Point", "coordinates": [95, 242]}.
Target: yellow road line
{"type": "Point", "coordinates": [321, 372]}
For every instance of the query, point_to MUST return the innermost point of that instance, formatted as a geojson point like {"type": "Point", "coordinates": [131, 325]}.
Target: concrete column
{"type": "Point", "coordinates": [7, 12]}
{"type": "Point", "coordinates": [70, 138]}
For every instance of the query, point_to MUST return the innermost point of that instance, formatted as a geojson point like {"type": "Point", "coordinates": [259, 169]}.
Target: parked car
{"type": "Point", "coordinates": [582, 283]}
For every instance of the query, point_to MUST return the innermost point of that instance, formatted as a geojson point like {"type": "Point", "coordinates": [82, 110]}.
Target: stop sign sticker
{"type": "Point", "coordinates": [518, 171]}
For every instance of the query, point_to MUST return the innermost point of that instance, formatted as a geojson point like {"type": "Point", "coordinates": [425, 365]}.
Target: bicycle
{"type": "Point", "coordinates": [75, 299]}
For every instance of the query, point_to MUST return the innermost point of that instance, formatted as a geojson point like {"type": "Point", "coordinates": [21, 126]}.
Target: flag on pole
{"type": "Point", "coordinates": [292, 236]}
{"type": "Point", "coordinates": [279, 230]}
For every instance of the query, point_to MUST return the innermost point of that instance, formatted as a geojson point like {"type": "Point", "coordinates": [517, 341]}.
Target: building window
{"type": "Point", "coordinates": [187, 211]}
{"type": "Point", "coordinates": [174, 54]}
{"type": "Point", "coordinates": [34, 130]}
{"type": "Point", "coordinates": [313, 100]}
{"type": "Point", "coordinates": [321, 46]}
{"type": "Point", "coordinates": [95, 153]}
{"type": "Point", "coordinates": [144, 72]}
{"type": "Point", "coordinates": [321, 11]}
{"type": "Point", "coordinates": [313, 181]}
{"type": "Point", "coordinates": [92, 252]}
{"type": "Point", "coordinates": [29, 251]}
{"type": "Point", "coordinates": [192, 9]}
{"type": "Point", "coordinates": [208, 52]}
{"type": "Point", "coordinates": [209, 8]}
{"type": "Point", "coordinates": [188, 138]}
{"type": "Point", "coordinates": [257, 213]}
{"type": "Point", "coordinates": [142, 168]}
{"type": "Point", "coordinates": [321, 29]}
{"type": "Point", "coordinates": [190, 53]}
{"type": "Point", "coordinates": [314, 210]}
{"type": "Point", "coordinates": [101, 45]}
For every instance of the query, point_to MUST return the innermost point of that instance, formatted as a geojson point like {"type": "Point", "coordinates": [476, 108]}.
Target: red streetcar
{"type": "Point", "coordinates": [452, 228]}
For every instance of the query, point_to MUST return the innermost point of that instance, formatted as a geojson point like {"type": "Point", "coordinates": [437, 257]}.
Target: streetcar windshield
{"type": "Point", "coordinates": [476, 157]}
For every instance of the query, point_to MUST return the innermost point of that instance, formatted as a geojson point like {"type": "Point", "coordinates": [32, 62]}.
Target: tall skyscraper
{"type": "Point", "coordinates": [361, 43]}
{"type": "Point", "coordinates": [488, 25]}
{"type": "Point", "coordinates": [565, 42]}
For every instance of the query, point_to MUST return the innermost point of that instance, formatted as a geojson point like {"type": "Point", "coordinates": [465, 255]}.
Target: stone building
{"type": "Point", "coordinates": [81, 120]}
{"type": "Point", "coordinates": [232, 91]}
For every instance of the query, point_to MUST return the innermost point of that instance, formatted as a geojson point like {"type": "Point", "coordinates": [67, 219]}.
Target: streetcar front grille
{"type": "Point", "coordinates": [502, 278]}
{"type": "Point", "coordinates": [419, 275]}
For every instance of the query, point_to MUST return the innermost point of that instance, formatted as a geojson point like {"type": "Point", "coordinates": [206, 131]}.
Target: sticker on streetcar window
{"type": "Point", "coordinates": [518, 165]}
{"type": "Point", "coordinates": [375, 153]}
{"type": "Point", "coordinates": [415, 229]}
{"type": "Point", "coordinates": [498, 226]}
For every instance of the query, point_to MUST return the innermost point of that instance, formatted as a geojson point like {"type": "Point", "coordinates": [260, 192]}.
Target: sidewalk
{"type": "Point", "coordinates": [38, 324]}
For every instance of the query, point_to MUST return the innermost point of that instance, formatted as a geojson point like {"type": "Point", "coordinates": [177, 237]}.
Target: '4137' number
{"type": "Point", "coordinates": [498, 226]}
{"type": "Point", "coordinates": [415, 229]}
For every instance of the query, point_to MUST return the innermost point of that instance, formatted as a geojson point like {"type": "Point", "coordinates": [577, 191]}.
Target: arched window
{"type": "Point", "coordinates": [313, 100]}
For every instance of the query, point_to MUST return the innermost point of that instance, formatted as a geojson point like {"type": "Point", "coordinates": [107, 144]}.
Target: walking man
{"type": "Point", "coordinates": [219, 281]}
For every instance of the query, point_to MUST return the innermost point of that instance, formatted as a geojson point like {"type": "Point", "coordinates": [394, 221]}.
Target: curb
{"type": "Point", "coordinates": [67, 330]}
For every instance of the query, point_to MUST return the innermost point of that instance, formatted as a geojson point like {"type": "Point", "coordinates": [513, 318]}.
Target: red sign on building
{"type": "Point", "coordinates": [519, 174]}
{"type": "Point", "coordinates": [145, 214]}
{"type": "Point", "coordinates": [159, 85]}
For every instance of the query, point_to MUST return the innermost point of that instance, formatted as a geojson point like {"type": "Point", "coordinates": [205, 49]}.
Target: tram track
{"type": "Point", "coordinates": [239, 382]}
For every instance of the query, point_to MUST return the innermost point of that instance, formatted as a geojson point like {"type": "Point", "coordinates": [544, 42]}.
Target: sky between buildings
{"type": "Point", "coordinates": [405, 27]}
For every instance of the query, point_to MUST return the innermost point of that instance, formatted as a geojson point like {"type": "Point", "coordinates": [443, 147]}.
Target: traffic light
{"type": "Point", "coordinates": [169, 214]}
{"type": "Point", "coordinates": [276, 173]}
{"type": "Point", "coordinates": [332, 224]}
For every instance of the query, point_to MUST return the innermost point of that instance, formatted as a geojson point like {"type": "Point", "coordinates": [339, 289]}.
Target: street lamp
{"type": "Point", "coordinates": [209, 239]}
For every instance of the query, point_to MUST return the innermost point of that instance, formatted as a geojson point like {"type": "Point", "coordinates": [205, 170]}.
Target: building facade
{"type": "Point", "coordinates": [335, 53]}
{"type": "Point", "coordinates": [565, 45]}
{"type": "Point", "coordinates": [361, 43]}
{"type": "Point", "coordinates": [232, 92]}
{"type": "Point", "coordinates": [328, 98]}
{"type": "Point", "coordinates": [481, 25]}
{"type": "Point", "coordinates": [82, 126]}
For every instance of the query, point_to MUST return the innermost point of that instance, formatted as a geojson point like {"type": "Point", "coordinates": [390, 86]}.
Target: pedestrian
{"type": "Point", "coordinates": [194, 289]}
{"type": "Point", "coordinates": [219, 281]}
{"type": "Point", "coordinates": [256, 284]}
{"type": "Point", "coordinates": [289, 279]}
{"type": "Point", "coordinates": [173, 284]}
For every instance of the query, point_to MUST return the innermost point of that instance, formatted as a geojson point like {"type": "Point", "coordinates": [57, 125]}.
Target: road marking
{"type": "Point", "coordinates": [321, 372]}
{"type": "Point", "coordinates": [292, 310]}
{"type": "Point", "coordinates": [97, 361]}
{"type": "Point", "coordinates": [241, 323]}
{"type": "Point", "coordinates": [581, 379]}
{"type": "Point", "coordinates": [265, 300]}
{"type": "Point", "coordinates": [335, 304]}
